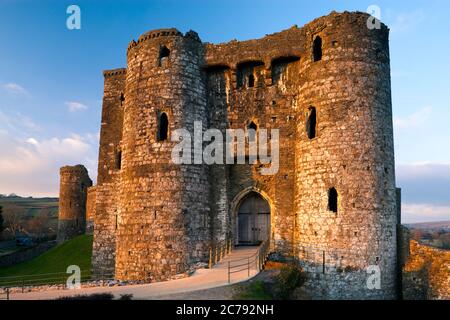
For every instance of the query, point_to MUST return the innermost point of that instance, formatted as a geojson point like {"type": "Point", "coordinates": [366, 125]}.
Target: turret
{"type": "Point", "coordinates": [72, 201]}
{"type": "Point", "coordinates": [163, 220]}
{"type": "Point", "coordinates": [346, 196]}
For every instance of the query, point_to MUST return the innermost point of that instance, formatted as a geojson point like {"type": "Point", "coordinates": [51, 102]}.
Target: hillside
{"type": "Point", "coordinates": [76, 251]}
{"type": "Point", "coordinates": [430, 225]}
{"type": "Point", "coordinates": [36, 215]}
{"type": "Point", "coordinates": [31, 206]}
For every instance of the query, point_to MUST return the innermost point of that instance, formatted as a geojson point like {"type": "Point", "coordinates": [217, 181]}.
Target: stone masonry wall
{"type": "Point", "coordinates": [72, 201]}
{"type": "Point", "coordinates": [426, 275]}
{"type": "Point", "coordinates": [352, 152]}
{"type": "Point", "coordinates": [154, 218]}
{"type": "Point", "coordinates": [90, 209]}
{"type": "Point", "coordinates": [108, 181]}
{"type": "Point", "coordinates": [164, 215]}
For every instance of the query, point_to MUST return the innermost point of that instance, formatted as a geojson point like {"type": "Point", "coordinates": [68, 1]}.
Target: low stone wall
{"type": "Point", "coordinates": [426, 275]}
{"type": "Point", "coordinates": [25, 254]}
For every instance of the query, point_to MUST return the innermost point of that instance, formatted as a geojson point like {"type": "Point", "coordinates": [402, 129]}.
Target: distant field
{"type": "Point", "coordinates": [430, 225]}
{"type": "Point", "coordinates": [32, 206]}
{"type": "Point", "coordinates": [76, 251]}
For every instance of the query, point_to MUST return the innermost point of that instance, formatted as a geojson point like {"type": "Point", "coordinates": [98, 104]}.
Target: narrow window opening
{"type": "Point", "coordinates": [251, 81]}
{"type": "Point", "coordinates": [164, 54]}
{"type": "Point", "coordinates": [333, 200]}
{"type": "Point", "coordinates": [122, 99]}
{"type": "Point", "coordinates": [163, 127]}
{"type": "Point", "coordinates": [117, 221]}
{"type": "Point", "coordinates": [311, 123]}
{"type": "Point", "coordinates": [317, 49]}
{"type": "Point", "coordinates": [119, 160]}
{"type": "Point", "coordinates": [252, 128]}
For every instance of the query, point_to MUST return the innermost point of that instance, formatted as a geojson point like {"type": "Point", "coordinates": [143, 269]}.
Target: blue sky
{"type": "Point", "coordinates": [51, 81]}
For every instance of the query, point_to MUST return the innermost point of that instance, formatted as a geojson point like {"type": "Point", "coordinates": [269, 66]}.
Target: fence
{"type": "Point", "coordinates": [14, 284]}
{"type": "Point", "coordinates": [257, 260]}
{"type": "Point", "coordinates": [218, 251]}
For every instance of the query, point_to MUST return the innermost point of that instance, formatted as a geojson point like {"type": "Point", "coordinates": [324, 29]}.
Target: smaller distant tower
{"type": "Point", "coordinates": [74, 184]}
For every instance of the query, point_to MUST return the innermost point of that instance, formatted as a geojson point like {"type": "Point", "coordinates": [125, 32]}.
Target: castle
{"type": "Point", "coordinates": [325, 86]}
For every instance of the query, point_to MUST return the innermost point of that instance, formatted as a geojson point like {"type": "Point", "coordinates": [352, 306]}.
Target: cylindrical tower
{"type": "Point", "coordinates": [73, 188]}
{"type": "Point", "coordinates": [163, 218]}
{"type": "Point", "coordinates": [346, 197]}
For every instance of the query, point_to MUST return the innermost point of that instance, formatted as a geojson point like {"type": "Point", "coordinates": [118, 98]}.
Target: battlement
{"type": "Point", "coordinates": [77, 169]}
{"type": "Point", "coordinates": [325, 87]}
{"type": "Point", "coordinates": [158, 33]}
{"type": "Point", "coordinates": [114, 72]}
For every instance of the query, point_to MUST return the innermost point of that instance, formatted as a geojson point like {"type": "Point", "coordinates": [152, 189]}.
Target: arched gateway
{"type": "Point", "coordinates": [253, 220]}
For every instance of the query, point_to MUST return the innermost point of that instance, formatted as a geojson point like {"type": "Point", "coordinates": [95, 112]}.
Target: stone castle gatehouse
{"type": "Point", "coordinates": [325, 86]}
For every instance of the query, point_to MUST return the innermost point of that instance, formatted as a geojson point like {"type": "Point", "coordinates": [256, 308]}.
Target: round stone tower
{"type": "Point", "coordinates": [74, 183]}
{"type": "Point", "coordinates": [163, 217]}
{"type": "Point", "coordinates": [345, 197]}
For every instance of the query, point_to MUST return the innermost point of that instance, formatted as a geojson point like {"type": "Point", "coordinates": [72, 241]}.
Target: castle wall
{"type": "Point", "coordinates": [74, 182]}
{"type": "Point", "coordinates": [155, 219]}
{"type": "Point", "coordinates": [426, 274]}
{"type": "Point", "coordinates": [108, 181]}
{"type": "Point", "coordinates": [163, 225]}
{"type": "Point", "coordinates": [352, 152]}
{"type": "Point", "coordinates": [270, 104]}
{"type": "Point", "coordinates": [90, 209]}
{"type": "Point", "coordinates": [218, 82]}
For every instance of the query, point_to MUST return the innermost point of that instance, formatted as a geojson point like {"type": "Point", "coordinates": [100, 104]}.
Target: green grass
{"type": "Point", "coordinates": [76, 251]}
{"type": "Point", "coordinates": [254, 291]}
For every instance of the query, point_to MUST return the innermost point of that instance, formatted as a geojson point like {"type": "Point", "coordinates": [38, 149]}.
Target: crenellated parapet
{"type": "Point", "coordinates": [325, 87]}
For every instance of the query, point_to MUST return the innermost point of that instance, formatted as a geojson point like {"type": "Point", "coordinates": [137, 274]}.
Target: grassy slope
{"type": "Point", "coordinates": [76, 251]}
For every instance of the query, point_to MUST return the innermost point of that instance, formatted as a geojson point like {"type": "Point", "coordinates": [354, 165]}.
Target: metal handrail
{"type": "Point", "coordinates": [258, 259]}
{"type": "Point", "coordinates": [218, 251]}
{"type": "Point", "coordinates": [55, 278]}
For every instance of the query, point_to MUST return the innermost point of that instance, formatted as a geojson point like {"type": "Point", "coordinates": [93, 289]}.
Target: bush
{"type": "Point", "coordinates": [95, 296]}
{"type": "Point", "coordinates": [290, 278]}
{"type": "Point", "coordinates": [254, 291]}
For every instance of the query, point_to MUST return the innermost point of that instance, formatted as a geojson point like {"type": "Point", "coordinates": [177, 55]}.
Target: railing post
{"type": "Point", "coordinates": [215, 256]}
{"type": "Point", "coordinates": [23, 283]}
{"type": "Point", "coordinates": [7, 293]}
{"type": "Point", "coordinates": [323, 262]}
{"type": "Point", "coordinates": [229, 275]}
{"type": "Point", "coordinates": [210, 258]}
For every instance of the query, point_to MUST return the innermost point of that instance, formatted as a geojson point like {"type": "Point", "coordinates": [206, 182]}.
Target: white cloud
{"type": "Point", "coordinates": [76, 106]}
{"type": "Point", "coordinates": [17, 123]}
{"type": "Point", "coordinates": [425, 191]}
{"type": "Point", "coordinates": [31, 166]}
{"type": "Point", "coordinates": [15, 88]}
{"type": "Point", "coordinates": [419, 212]}
{"type": "Point", "coordinates": [414, 120]}
{"type": "Point", "coordinates": [420, 170]}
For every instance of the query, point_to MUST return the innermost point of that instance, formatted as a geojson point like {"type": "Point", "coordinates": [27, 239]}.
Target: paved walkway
{"type": "Point", "coordinates": [201, 279]}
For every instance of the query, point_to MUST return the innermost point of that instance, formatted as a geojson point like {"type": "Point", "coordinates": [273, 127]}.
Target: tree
{"type": "Point", "coordinates": [416, 234]}
{"type": "Point", "coordinates": [38, 225]}
{"type": "Point", "coordinates": [1, 222]}
{"type": "Point", "coordinates": [12, 216]}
